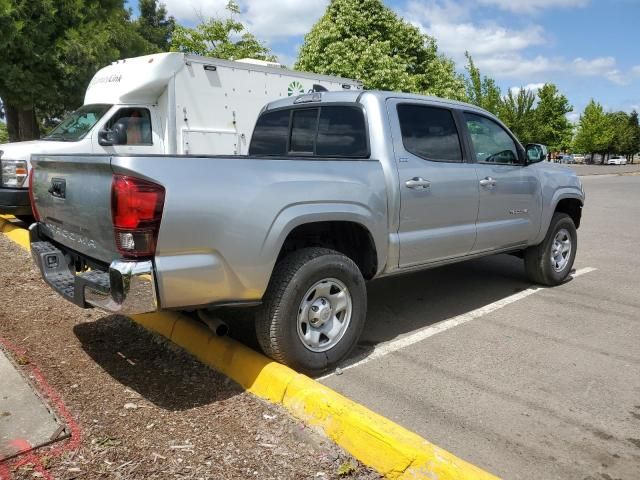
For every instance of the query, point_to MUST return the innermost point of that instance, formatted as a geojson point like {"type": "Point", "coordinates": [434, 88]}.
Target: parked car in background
{"type": "Point", "coordinates": [617, 160]}
{"type": "Point", "coordinates": [566, 158]}
{"type": "Point", "coordinates": [338, 188]}
{"type": "Point", "coordinates": [579, 158]}
{"type": "Point", "coordinates": [166, 103]}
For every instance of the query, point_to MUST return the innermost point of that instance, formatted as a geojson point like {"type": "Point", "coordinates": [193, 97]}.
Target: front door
{"type": "Point", "coordinates": [438, 187]}
{"type": "Point", "coordinates": [510, 197]}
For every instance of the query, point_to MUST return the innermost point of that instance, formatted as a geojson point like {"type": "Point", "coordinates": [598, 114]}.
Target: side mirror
{"type": "Point", "coordinates": [117, 135]}
{"type": "Point", "coordinates": [535, 152]}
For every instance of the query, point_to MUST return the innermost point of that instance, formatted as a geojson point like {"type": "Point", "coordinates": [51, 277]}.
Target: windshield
{"type": "Point", "coordinates": [77, 125]}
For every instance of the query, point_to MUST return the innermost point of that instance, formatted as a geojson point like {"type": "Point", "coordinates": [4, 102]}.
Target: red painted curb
{"type": "Point", "coordinates": [26, 455]}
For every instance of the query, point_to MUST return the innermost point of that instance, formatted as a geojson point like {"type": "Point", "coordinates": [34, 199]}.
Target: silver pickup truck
{"type": "Point", "coordinates": [338, 188]}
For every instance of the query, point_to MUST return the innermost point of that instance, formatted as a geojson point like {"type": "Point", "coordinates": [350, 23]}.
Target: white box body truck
{"type": "Point", "coordinates": [166, 103]}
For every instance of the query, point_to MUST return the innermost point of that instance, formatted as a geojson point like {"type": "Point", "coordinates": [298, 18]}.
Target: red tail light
{"type": "Point", "coordinates": [34, 209]}
{"type": "Point", "coordinates": [136, 211]}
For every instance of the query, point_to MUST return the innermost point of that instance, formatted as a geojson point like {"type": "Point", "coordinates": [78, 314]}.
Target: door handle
{"type": "Point", "coordinates": [418, 183]}
{"type": "Point", "coordinates": [488, 182]}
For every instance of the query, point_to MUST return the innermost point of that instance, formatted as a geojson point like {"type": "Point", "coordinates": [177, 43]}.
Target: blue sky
{"type": "Point", "coordinates": [589, 48]}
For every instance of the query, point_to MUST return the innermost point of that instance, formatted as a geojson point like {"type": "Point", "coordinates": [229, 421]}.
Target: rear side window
{"type": "Point", "coordinates": [327, 131]}
{"type": "Point", "coordinates": [429, 132]}
{"type": "Point", "coordinates": [270, 135]}
{"type": "Point", "coordinates": [341, 133]}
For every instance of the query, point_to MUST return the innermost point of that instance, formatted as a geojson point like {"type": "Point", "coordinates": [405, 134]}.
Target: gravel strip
{"type": "Point", "coordinates": [146, 409]}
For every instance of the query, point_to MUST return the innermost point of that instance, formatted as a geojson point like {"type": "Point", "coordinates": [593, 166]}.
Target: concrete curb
{"type": "Point", "coordinates": [390, 449]}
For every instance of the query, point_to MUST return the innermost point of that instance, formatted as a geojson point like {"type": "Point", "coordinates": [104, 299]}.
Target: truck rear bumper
{"type": "Point", "coordinates": [15, 201]}
{"type": "Point", "coordinates": [127, 288]}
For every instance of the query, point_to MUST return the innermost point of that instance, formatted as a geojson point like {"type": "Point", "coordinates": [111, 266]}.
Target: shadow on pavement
{"type": "Point", "coordinates": [167, 377]}
{"type": "Point", "coordinates": [403, 304]}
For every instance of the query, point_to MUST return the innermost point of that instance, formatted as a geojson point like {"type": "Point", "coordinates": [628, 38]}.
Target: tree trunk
{"type": "Point", "coordinates": [21, 123]}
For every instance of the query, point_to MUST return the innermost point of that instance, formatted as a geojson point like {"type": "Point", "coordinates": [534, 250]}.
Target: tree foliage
{"type": "Point", "coordinates": [518, 113]}
{"type": "Point", "coordinates": [4, 134]}
{"type": "Point", "coordinates": [50, 49]}
{"type": "Point", "coordinates": [595, 131]}
{"type": "Point", "coordinates": [366, 40]}
{"type": "Point", "coordinates": [481, 90]}
{"type": "Point", "coordinates": [221, 38]}
{"type": "Point", "coordinates": [153, 24]}
{"type": "Point", "coordinates": [551, 126]}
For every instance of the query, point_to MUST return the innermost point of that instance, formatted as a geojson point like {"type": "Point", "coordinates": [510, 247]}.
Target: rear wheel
{"type": "Point", "coordinates": [313, 311]}
{"type": "Point", "coordinates": [550, 262]}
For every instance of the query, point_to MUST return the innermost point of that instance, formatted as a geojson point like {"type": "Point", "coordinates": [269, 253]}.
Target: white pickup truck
{"type": "Point", "coordinates": [338, 188]}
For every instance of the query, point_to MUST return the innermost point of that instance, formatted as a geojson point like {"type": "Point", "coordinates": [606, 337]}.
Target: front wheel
{"type": "Point", "coordinates": [313, 311]}
{"type": "Point", "coordinates": [550, 262]}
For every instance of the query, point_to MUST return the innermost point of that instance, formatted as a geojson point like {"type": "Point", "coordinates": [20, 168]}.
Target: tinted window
{"type": "Point", "coordinates": [270, 135]}
{"type": "Point", "coordinates": [304, 125]}
{"type": "Point", "coordinates": [491, 142]}
{"type": "Point", "coordinates": [341, 132]}
{"type": "Point", "coordinates": [137, 123]}
{"type": "Point", "coordinates": [429, 132]}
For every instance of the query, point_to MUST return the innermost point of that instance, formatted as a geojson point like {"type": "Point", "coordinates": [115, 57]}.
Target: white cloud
{"type": "Point", "coordinates": [532, 87]}
{"type": "Point", "coordinates": [532, 6]}
{"type": "Point", "coordinates": [636, 70]}
{"type": "Point", "coordinates": [573, 117]}
{"type": "Point", "coordinates": [281, 18]}
{"type": "Point", "coordinates": [190, 11]}
{"type": "Point", "coordinates": [599, 67]}
{"type": "Point", "coordinates": [443, 21]}
{"type": "Point", "coordinates": [265, 19]}
{"type": "Point", "coordinates": [499, 51]}
{"type": "Point", "coordinates": [482, 41]}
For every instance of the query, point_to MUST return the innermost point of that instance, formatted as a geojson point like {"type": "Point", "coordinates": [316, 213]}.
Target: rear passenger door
{"type": "Point", "coordinates": [510, 197]}
{"type": "Point", "coordinates": [438, 187]}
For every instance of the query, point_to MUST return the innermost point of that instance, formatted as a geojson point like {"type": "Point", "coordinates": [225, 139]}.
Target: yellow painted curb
{"type": "Point", "coordinates": [374, 440]}
{"type": "Point", "coordinates": [15, 232]}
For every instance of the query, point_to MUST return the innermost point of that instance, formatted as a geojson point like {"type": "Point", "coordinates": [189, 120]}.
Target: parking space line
{"type": "Point", "coordinates": [386, 348]}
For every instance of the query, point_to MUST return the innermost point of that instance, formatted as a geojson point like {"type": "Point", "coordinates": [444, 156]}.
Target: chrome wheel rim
{"type": "Point", "coordinates": [324, 315]}
{"type": "Point", "coordinates": [561, 250]}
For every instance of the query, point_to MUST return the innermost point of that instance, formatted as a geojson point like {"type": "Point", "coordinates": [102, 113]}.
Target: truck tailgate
{"type": "Point", "coordinates": [72, 195]}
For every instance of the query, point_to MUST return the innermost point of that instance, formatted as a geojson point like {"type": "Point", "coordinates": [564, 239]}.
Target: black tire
{"type": "Point", "coordinates": [277, 318]}
{"type": "Point", "coordinates": [537, 259]}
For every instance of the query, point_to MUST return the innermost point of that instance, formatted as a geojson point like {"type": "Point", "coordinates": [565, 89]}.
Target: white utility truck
{"type": "Point", "coordinates": [167, 103]}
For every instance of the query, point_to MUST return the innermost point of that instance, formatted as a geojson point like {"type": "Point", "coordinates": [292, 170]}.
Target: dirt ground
{"type": "Point", "coordinates": [144, 409]}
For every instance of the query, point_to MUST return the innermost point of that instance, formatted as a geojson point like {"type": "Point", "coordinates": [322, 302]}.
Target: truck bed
{"type": "Point", "coordinates": [224, 219]}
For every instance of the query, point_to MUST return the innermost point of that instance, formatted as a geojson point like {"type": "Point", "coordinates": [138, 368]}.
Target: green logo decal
{"type": "Point", "coordinates": [295, 88]}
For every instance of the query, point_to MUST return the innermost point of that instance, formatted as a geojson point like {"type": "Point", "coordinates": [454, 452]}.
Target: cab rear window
{"type": "Point", "coordinates": [327, 131]}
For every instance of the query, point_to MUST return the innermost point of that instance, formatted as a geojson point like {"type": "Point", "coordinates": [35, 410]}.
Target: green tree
{"type": "Point", "coordinates": [366, 40]}
{"type": "Point", "coordinates": [221, 38]}
{"type": "Point", "coordinates": [517, 112]}
{"type": "Point", "coordinates": [550, 124]}
{"type": "Point", "coordinates": [626, 134]}
{"type": "Point", "coordinates": [153, 24]}
{"type": "Point", "coordinates": [4, 135]}
{"type": "Point", "coordinates": [50, 49]}
{"type": "Point", "coordinates": [595, 131]}
{"type": "Point", "coordinates": [481, 90]}
{"type": "Point", "coordinates": [635, 135]}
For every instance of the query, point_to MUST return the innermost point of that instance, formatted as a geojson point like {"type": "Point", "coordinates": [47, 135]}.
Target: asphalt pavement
{"type": "Point", "coordinates": [524, 382]}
